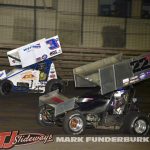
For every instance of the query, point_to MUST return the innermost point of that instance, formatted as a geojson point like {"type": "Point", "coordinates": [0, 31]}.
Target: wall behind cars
{"type": "Point", "coordinates": [89, 30]}
{"type": "Point", "coordinates": [79, 23]}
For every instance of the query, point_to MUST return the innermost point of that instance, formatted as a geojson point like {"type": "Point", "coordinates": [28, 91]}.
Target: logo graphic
{"type": "Point", "coordinates": [52, 44]}
{"type": "Point", "coordinates": [13, 61]}
{"type": "Point", "coordinates": [38, 59]}
{"type": "Point", "coordinates": [36, 46]}
{"type": "Point", "coordinates": [28, 76]}
{"type": "Point", "coordinates": [44, 57]}
{"type": "Point", "coordinates": [11, 139]}
{"type": "Point", "coordinates": [53, 53]}
{"type": "Point", "coordinates": [52, 76]}
{"type": "Point", "coordinates": [32, 46]}
{"type": "Point", "coordinates": [1, 74]}
{"type": "Point", "coordinates": [142, 76]}
{"type": "Point", "coordinates": [148, 73]}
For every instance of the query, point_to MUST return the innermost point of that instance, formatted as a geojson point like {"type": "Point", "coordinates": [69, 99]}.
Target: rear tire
{"type": "Point", "coordinates": [5, 87]}
{"type": "Point", "coordinates": [53, 85]}
{"type": "Point", "coordinates": [136, 124]}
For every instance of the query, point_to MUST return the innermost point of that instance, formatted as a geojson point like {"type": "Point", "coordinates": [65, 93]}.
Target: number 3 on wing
{"type": "Point", "coordinates": [53, 44]}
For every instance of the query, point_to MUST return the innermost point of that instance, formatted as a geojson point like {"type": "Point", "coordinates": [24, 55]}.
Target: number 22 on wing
{"type": "Point", "coordinates": [140, 65]}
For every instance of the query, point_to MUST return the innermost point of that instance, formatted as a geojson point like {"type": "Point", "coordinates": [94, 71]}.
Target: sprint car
{"type": "Point", "coordinates": [113, 105]}
{"type": "Point", "coordinates": [34, 70]}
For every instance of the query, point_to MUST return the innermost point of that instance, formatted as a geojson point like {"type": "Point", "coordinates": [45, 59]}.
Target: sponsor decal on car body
{"type": "Point", "coordinates": [10, 139]}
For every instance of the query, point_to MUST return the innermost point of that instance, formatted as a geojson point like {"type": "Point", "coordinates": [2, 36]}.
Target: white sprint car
{"type": "Point", "coordinates": [34, 70]}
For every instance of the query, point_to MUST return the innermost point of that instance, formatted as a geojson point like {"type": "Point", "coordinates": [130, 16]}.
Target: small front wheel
{"type": "Point", "coordinates": [74, 123]}
{"type": "Point", "coordinates": [46, 116]}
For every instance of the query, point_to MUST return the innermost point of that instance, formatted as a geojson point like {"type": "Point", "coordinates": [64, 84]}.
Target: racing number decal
{"type": "Point", "coordinates": [139, 65]}
{"type": "Point", "coordinates": [53, 44]}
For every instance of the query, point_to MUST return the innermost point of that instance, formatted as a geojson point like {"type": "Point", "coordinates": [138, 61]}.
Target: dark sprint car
{"type": "Point", "coordinates": [113, 105]}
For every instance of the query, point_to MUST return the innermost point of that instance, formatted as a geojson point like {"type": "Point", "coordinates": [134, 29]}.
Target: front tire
{"type": "Point", "coordinates": [74, 123]}
{"type": "Point", "coordinates": [46, 116]}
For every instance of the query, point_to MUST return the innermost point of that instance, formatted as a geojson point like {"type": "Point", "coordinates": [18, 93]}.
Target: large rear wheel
{"type": "Point", "coordinates": [136, 123]}
{"type": "Point", "coordinates": [53, 85]}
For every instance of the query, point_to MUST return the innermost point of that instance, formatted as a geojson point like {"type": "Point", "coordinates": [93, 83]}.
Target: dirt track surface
{"type": "Point", "coordinates": [86, 146]}
{"type": "Point", "coordinates": [19, 112]}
